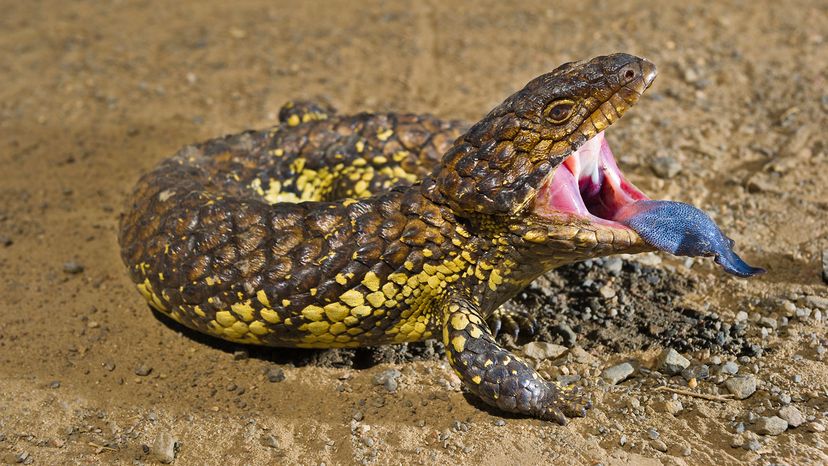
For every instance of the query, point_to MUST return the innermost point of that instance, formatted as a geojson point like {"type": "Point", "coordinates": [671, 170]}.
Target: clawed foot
{"type": "Point", "coordinates": [513, 323]}
{"type": "Point", "coordinates": [562, 402]}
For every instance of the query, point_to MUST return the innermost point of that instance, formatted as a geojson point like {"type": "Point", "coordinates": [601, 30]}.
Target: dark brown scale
{"type": "Point", "coordinates": [218, 237]}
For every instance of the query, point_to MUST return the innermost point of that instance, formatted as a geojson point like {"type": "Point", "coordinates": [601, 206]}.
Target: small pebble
{"type": "Point", "coordinates": [792, 415]}
{"type": "Point", "coordinates": [653, 434]}
{"type": "Point", "coordinates": [541, 350]}
{"type": "Point", "coordinates": [240, 355]}
{"type": "Point", "coordinates": [615, 374]}
{"type": "Point", "coordinates": [659, 445]}
{"type": "Point", "coordinates": [275, 374]}
{"type": "Point", "coordinates": [670, 406]}
{"type": "Point", "coordinates": [54, 384]}
{"type": "Point", "coordinates": [568, 335]}
{"type": "Point", "coordinates": [143, 370]}
{"type": "Point", "coordinates": [665, 167]}
{"type": "Point", "coordinates": [729, 367]}
{"type": "Point", "coordinates": [772, 425]}
{"type": "Point", "coordinates": [816, 427]}
{"type": "Point", "coordinates": [742, 386]}
{"type": "Point", "coordinates": [613, 265]}
{"type": "Point", "coordinates": [500, 423]}
{"type": "Point", "coordinates": [72, 267]}
{"type": "Point", "coordinates": [6, 241]}
{"type": "Point", "coordinates": [671, 362]}
{"type": "Point", "coordinates": [358, 416]}
{"type": "Point", "coordinates": [623, 440]}
{"type": "Point", "coordinates": [701, 372]}
{"type": "Point", "coordinates": [752, 445]}
{"type": "Point", "coordinates": [269, 441]}
{"type": "Point", "coordinates": [163, 449]}
{"type": "Point", "coordinates": [388, 379]}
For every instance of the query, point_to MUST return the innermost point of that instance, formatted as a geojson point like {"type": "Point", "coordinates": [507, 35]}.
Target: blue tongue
{"type": "Point", "coordinates": [683, 230]}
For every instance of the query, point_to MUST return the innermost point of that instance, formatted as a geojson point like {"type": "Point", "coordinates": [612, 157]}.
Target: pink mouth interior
{"type": "Point", "coordinates": [588, 184]}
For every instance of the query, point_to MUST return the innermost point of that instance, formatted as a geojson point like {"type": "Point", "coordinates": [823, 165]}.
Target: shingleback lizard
{"type": "Point", "coordinates": [334, 231]}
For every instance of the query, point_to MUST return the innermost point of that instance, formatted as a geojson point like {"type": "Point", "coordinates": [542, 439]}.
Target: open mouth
{"type": "Point", "coordinates": [588, 184]}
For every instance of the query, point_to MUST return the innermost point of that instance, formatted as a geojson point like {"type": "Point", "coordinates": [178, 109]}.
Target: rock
{"type": "Point", "coordinates": [540, 350]}
{"type": "Point", "coordinates": [613, 375]}
{"type": "Point", "coordinates": [388, 379]}
{"type": "Point", "coordinates": [143, 370]}
{"type": "Point", "coordinates": [659, 445]}
{"type": "Point", "coordinates": [671, 362]}
{"type": "Point", "coordinates": [240, 355]}
{"type": "Point", "coordinates": [741, 387]}
{"type": "Point", "coordinates": [792, 415]}
{"type": "Point", "coordinates": [773, 425]}
{"type": "Point", "coordinates": [163, 449]}
{"type": "Point", "coordinates": [665, 166]}
{"type": "Point", "coordinates": [54, 384]}
{"type": "Point", "coordinates": [729, 367]}
{"type": "Point", "coordinates": [72, 267]}
{"type": "Point", "coordinates": [500, 423]}
{"type": "Point", "coordinates": [275, 374]}
{"type": "Point", "coordinates": [6, 241]}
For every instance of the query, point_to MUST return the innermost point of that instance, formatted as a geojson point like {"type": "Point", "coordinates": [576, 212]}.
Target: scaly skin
{"type": "Point", "coordinates": [341, 231]}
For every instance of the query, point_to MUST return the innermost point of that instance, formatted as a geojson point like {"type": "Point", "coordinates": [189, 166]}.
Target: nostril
{"type": "Point", "coordinates": [629, 74]}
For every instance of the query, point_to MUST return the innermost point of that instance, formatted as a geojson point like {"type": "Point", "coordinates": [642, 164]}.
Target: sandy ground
{"type": "Point", "coordinates": [94, 93]}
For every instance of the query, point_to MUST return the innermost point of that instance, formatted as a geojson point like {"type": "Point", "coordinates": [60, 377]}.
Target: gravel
{"type": "Point", "coordinates": [741, 387]}
{"type": "Point", "coordinates": [540, 350]}
{"type": "Point", "coordinates": [613, 375]}
{"type": "Point", "coordinates": [773, 425]}
{"type": "Point", "coordinates": [792, 416]}
{"type": "Point", "coordinates": [163, 449]}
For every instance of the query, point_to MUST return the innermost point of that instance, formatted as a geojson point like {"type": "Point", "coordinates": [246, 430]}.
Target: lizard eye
{"type": "Point", "coordinates": [560, 111]}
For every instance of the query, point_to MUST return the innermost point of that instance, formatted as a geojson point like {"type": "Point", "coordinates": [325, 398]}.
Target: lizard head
{"type": "Point", "coordinates": [539, 161]}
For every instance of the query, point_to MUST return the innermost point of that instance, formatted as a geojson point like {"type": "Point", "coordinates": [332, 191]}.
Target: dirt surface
{"type": "Point", "coordinates": [95, 93]}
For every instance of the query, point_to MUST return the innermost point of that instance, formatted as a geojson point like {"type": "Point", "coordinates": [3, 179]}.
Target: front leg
{"type": "Point", "coordinates": [499, 377]}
